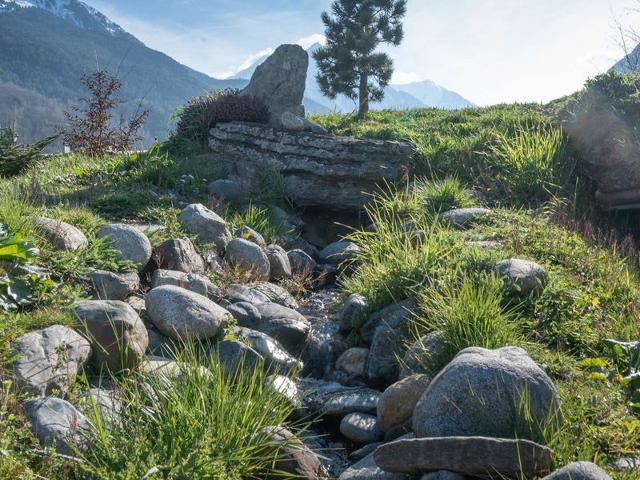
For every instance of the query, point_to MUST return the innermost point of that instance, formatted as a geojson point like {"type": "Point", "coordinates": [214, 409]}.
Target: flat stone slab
{"type": "Point", "coordinates": [479, 456]}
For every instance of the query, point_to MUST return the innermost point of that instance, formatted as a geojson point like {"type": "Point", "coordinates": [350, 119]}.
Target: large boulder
{"type": "Point", "coordinates": [366, 469]}
{"type": "Point", "coordinates": [276, 358]}
{"type": "Point", "coordinates": [191, 281]}
{"type": "Point", "coordinates": [114, 286]}
{"type": "Point", "coordinates": [116, 332]}
{"type": "Point", "coordinates": [339, 252]}
{"type": "Point", "coordinates": [249, 259]}
{"type": "Point", "coordinates": [498, 393]}
{"type": "Point", "coordinates": [280, 82]}
{"type": "Point", "coordinates": [55, 422]}
{"type": "Point", "coordinates": [225, 190]}
{"type": "Point", "coordinates": [579, 471]}
{"type": "Point", "coordinates": [354, 310]}
{"type": "Point", "coordinates": [60, 234]}
{"type": "Point", "coordinates": [236, 356]}
{"type": "Point", "coordinates": [178, 254]}
{"type": "Point", "coordinates": [205, 224]}
{"type": "Point", "coordinates": [237, 293]}
{"type": "Point", "coordinates": [279, 262]}
{"type": "Point", "coordinates": [398, 401]}
{"type": "Point", "coordinates": [276, 294]}
{"type": "Point", "coordinates": [184, 315]}
{"type": "Point", "coordinates": [131, 244]}
{"type": "Point", "coordinates": [284, 324]}
{"type": "Point", "coordinates": [49, 359]}
{"type": "Point", "coordinates": [302, 264]}
{"type": "Point", "coordinates": [477, 456]}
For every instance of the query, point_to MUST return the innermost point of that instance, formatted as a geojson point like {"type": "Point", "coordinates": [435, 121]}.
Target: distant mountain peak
{"type": "Point", "coordinates": [74, 11]}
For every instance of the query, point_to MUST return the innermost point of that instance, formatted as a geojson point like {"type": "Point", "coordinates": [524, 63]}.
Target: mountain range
{"type": "Point", "coordinates": [47, 45]}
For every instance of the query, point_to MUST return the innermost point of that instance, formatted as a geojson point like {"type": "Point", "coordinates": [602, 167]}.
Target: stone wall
{"type": "Point", "coordinates": [318, 170]}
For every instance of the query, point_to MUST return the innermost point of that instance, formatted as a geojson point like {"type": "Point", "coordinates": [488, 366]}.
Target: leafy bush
{"type": "Point", "coordinates": [15, 158]}
{"type": "Point", "coordinates": [202, 113]}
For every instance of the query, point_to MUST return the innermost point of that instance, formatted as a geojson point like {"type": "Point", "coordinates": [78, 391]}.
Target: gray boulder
{"type": "Point", "coordinates": [354, 361]}
{"type": "Point", "coordinates": [302, 264]}
{"type": "Point", "coordinates": [60, 234]}
{"type": "Point", "coordinates": [522, 276]}
{"type": "Point", "coordinates": [338, 252]}
{"type": "Point", "coordinates": [361, 400]}
{"type": "Point", "coordinates": [394, 314]}
{"type": "Point", "coordinates": [366, 469]}
{"type": "Point", "coordinates": [178, 254]}
{"type": "Point", "coordinates": [49, 359]}
{"type": "Point", "coordinates": [422, 355]}
{"type": "Point", "coordinates": [276, 294]}
{"type": "Point", "coordinates": [246, 314]}
{"type": "Point", "coordinates": [361, 428]}
{"type": "Point", "coordinates": [293, 458]}
{"type": "Point", "coordinates": [280, 82]}
{"type": "Point", "coordinates": [249, 259]}
{"type": "Point", "coordinates": [104, 401]}
{"type": "Point", "coordinates": [353, 311]}
{"type": "Point", "coordinates": [276, 358]}
{"type": "Point", "coordinates": [183, 315]}
{"type": "Point", "coordinates": [225, 190]}
{"type": "Point", "coordinates": [190, 281]}
{"type": "Point", "coordinates": [462, 217]}
{"type": "Point", "coordinates": [279, 262]}
{"type": "Point", "coordinates": [131, 244]}
{"type": "Point", "coordinates": [118, 336]}
{"type": "Point", "coordinates": [398, 401]}
{"type": "Point", "coordinates": [489, 388]}
{"type": "Point", "coordinates": [114, 286]}
{"type": "Point", "coordinates": [250, 234]}
{"type": "Point", "coordinates": [285, 325]}
{"type": "Point", "coordinates": [286, 388]}
{"type": "Point", "coordinates": [55, 422]}
{"type": "Point", "coordinates": [236, 293]}
{"type": "Point", "coordinates": [443, 475]}
{"type": "Point", "coordinates": [235, 355]}
{"type": "Point", "coordinates": [579, 471]}
{"type": "Point", "coordinates": [208, 226]}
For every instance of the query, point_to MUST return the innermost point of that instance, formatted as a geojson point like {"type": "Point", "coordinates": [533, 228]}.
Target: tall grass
{"type": "Point", "coordinates": [193, 422]}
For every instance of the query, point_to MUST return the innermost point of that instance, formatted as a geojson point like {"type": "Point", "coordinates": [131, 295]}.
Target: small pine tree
{"type": "Point", "coordinates": [90, 128]}
{"type": "Point", "coordinates": [349, 64]}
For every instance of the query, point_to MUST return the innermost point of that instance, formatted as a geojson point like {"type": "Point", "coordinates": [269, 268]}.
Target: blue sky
{"type": "Point", "coordinates": [490, 51]}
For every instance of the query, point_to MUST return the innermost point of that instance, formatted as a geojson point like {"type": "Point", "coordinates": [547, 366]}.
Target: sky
{"type": "Point", "coordinates": [489, 51]}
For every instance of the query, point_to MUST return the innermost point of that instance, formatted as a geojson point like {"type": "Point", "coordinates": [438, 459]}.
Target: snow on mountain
{"type": "Point", "coordinates": [74, 11]}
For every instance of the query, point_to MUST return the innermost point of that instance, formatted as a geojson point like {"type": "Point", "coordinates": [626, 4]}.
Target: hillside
{"type": "Point", "coordinates": [48, 51]}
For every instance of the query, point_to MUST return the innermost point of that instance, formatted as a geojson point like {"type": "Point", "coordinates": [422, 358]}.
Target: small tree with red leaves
{"type": "Point", "coordinates": [91, 128]}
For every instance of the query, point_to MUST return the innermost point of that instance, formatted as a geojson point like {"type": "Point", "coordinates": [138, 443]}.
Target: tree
{"type": "Point", "coordinates": [90, 128]}
{"type": "Point", "coordinates": [349, 64]}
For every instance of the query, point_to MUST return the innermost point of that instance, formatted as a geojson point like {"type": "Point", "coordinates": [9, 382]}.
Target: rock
{"type": "Point", "coordinates": [285, 387]}
{"type": "Point", "coordinates": [462, 217]}
{"type": "Point", "coordinates": [61, 235]}
{"type": "Point", "coordinates": [285, 325]}
{"type": "Point", "coordinates": [393, 315]}
{"type": "Point", "coordinates": [325, 274]}
{"type": "Point", "coordinates": [114, 286]}
{"type": "Point", "coordinates": [234, 355]}
{"type": "Point", "coordinates": [422, 355]}
{"type": "Point", "coordinates": [358, 400]}
{"type": "Point", "coordinates": [208, 226]}
{"type": "Point", "coordinates": [276, 294]}
{"type": "Point", "coordinates": [131, 244]}
{"type": "Point", "coordinates": [626, 464]}
{"type": "Point", "coordinates": [56, 422]}
{"type": "Point", "coordinates": [354, 361]}
{"type": "Point", "coordinates": [359, 454]}
{"type": "Point", "coordinates": [118, 337]}
{"type": "Point", "coordinates": [301, 263]}
{"type": "Point", "coordinates": [468, 455]}
{"type": "Point", "coordinates": [237, 293]}
{"type": "Point", "coordinates": [397, 402]}
{"type": "Point", "coordinates": [366, 469]}
{"type": "Point", "coordinates": [326, 171]}
{"type": "Point", "coordinates": [287, 221]}
{"type": "Point", "coordinates": [276, 358]}
{"type": "Point", "coordinates": [294, 458]}
{"type": "Point", "coordinates": [280, 82]}
{"type": "Point", "coordinates": [249, 259]}
{"type": "Point", "coordinates": [246, 314]}
{"type": "Point", "coordinates": [49, 359]}
{"type": "Point", "coordinates": [338, 252]}
{"type": "Point", "coordinates": [353, 312]}
{"type": "Point", "coordinates": [190, 281]}
{"type": "Point", "coordinates": [299, 243]}
{"type": "Point", "coordinates": [361, 428]}
{"type": "Point", "coordinates": [161, 345]}
{"type": "Point", "coordinates": [107, 403]}
{"type": "Point", "coordinates": [492, 385]}
{"type": "Point", "coordinates": [184, 315]}
{"type": "Point", "coordinates": [522, 276]}
{"type": "Point", "coordinates": [178, 254]}
{"type": "Point", "coordinates": [225, 190]}
{"type": "Point", "coordinates": [579, 471]}
{"type": "Point", "coordinates": [248, 233]}
{"type": "Point", "coordinates": [398, 431]}
{"type": "Point", "coordinates": [279, 262]}
{"type": "Point", "coordinates": [291, 121]}
{"type": "Point", "coordinates": [443, 475]}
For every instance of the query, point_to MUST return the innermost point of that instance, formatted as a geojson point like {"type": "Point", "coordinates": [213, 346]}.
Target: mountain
{"type": "Point", "coordinates": [629, 63]}
{"type": "Point", "coordinates": [47, 45]}
{"type": "Point", "coordinates": [397, 97]}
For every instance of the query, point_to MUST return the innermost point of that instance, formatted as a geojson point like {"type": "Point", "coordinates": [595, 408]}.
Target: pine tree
{"type": "Point", "coordinates": [349, 64]}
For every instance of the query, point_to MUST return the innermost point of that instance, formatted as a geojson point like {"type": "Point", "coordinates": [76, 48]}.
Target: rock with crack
{"type": "Point", "coordinates": [49, 359]}
{"type": "Point", "coordinates": [477, 456]}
